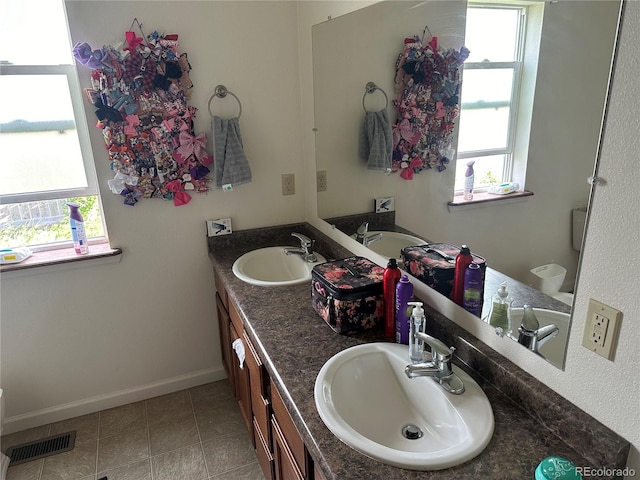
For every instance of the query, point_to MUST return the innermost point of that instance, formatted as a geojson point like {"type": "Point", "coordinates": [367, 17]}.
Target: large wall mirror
{"type": "Point", "coordinates": [576, 47]}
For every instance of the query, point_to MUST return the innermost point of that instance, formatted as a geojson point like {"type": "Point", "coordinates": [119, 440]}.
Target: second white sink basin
{"type": "Point", "coordinates": [271, 267]}
{"type": "Point", "coordinates": [364, 397]}
{"type": "Point", "coordinates": [392, 243]}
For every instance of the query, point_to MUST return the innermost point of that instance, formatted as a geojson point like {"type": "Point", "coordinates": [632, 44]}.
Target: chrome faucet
{"type": "Point", "coordinates": [305, 250]}
{"type": "Point", "coordinates": [530, 334]}
{"type": "Point", "coordinates": [534, 339]}
{"type": "Point", "coordinates": [439, 368]}
{"type": "Point", "coordinates": [362, 235]}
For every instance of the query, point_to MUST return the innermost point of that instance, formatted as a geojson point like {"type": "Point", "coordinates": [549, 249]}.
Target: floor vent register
{"type": "Point", "coordinates": [41, 448]}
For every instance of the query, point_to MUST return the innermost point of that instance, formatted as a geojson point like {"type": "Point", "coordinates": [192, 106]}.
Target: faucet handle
{"type": "Point", "coordinates": [305, 241]}
{"type": "Point", "coordinates": [362, 229]}
{"type": "Point", "coordinates": [437, 347]}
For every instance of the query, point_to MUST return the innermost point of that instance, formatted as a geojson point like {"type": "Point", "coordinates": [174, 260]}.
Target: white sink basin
{"type": "Point", "coordinates": [553, 348]}
{"type": "Point", "coordinates": [270, 267]}
{"type": "Point", "coordinates": [392, 243]}
{"type": "Point", "coordinates": [364, 397]}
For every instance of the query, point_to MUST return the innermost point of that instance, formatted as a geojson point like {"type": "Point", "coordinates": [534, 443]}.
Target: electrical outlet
{"type": "Point", "coordinates": [288, 184]}
{"type": "Point", "coordinates": [321, 180]}
{"type": "Point", "coordinates": [220, 226]}
{"type": "Point", "coordinates": [601, 329]}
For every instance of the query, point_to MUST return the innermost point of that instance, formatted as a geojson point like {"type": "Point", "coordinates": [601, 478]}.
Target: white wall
{"type": "Point", "coordinates": [74, 339]}
{"type": "Point", "coordinates": [607, 390]}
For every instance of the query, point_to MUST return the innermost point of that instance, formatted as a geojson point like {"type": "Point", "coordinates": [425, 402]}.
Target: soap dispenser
{"type": "Point", "coordinates": [500, 314]}
{"type": "Point", "coordinates": [418, 324]}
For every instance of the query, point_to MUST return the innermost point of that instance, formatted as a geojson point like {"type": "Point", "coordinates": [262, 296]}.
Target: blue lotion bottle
{"type": "Point", "coordinates": [404, 294]}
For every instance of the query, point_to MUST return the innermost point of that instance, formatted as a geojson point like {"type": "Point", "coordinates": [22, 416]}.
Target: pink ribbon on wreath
{"type": "Point", "coordinates": [180, 197]}
{"type": "Point", "coordinates": [403, 130]}
{"type": "Point", "coordinates": [130, 128]}
{"type": "Point", "coordinates": [192, 145]}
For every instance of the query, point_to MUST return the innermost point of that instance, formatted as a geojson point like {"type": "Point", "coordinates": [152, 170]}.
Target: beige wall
{"type": "Point", "coordinates": [95, 335]}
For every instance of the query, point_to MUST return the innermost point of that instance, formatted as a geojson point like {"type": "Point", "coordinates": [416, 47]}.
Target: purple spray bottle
{"type": "Point", "coordinates": [404, 294]}
{"type": "Point", "coordinates": [78, 233]}
{"type": "Point", "coordinates": [468, 181]}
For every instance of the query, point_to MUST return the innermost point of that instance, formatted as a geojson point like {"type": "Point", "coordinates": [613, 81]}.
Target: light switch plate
{"type": "Point", "coordinates": [220, 226]}
{"type": "Point", "coordinates": [386, 204]}
{"type": "Point", "coordinates": [601, 329]}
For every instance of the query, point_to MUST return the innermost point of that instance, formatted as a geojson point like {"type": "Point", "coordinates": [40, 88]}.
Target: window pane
{"type": "Point", "coordinates": [483, 129]}
{"type": "Point", "coordinates": [486, 85]}
{"type": "Point", "coordinates": [486, 171]}
{"type": "Point", "coordinates": [484, 118]}
{"type": "Point", "coordinates": [38, 139]}
{"type": "Point", "coordinates": [37, 223]}
{"type": "Point", "coordinates": [34, 32]}
{"type": "Point", "coordinates": [492, 34]}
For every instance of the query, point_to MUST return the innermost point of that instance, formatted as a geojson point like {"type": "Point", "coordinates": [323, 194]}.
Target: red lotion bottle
{"type": "Point", "coordinates": [463, 260]}
{"type": "Point", "coordinates": [390, 279]}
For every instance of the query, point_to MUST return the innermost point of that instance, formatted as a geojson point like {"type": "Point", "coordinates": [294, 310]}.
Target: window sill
{"type": "Point", "coordinates": [63, 256]}
{"type": "Point", "coordinates": [486, 199]}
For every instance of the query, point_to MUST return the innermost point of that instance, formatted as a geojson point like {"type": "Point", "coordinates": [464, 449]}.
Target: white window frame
{"type": "Point", "coordinates": [82, 130]}
{"type": "Point", "coordinates": [517, 65]}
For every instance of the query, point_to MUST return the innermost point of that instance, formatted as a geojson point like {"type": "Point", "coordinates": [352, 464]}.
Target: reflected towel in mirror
{"type": "Point", "coordinates": [231, 165]}
{"type": "Point", "coordinates": [376, 141]}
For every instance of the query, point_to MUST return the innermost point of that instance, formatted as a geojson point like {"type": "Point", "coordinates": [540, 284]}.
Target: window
{"type": "Point", "coordinates": [46, 157]}
{"type": "Point", "coordinates": [491, 107]}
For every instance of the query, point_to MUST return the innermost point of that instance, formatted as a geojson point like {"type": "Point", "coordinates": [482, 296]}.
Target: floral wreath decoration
{"type": "Point", "coordinates": [427, 82]}
{"type": "Point", "coordinates": [140, 90]}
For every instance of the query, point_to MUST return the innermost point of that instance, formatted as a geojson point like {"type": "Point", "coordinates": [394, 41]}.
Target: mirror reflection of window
{"type": "Point", "coordinates": [491, 89]}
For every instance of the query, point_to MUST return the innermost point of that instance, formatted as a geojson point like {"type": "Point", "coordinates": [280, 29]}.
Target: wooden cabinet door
{"type": "Point", "coordinates": [243, 387]}
{"type": "Point", "coordinates": [225, 340]}
{"type": "Point", "coordinates": [284, 463]}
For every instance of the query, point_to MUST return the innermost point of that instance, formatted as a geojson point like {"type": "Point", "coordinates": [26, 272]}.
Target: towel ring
{"type": "Point", "coordinates": [371, 87]}
{"type": "Point", "coordinates": [221, 92]}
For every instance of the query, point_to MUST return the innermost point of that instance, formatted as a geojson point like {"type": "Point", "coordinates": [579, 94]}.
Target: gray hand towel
{"type": "Point", "coordinates": [231, 165]}
{"type": "Point", "coordinates": [376, 140]}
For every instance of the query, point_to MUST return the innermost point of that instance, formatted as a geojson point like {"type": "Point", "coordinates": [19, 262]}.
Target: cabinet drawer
{"type": "Point", "coordinates": [221, 290]}
{"type": "Point", "coordinates": [288, 429]}
{"type": "Point", "coordinates": [263, 452]}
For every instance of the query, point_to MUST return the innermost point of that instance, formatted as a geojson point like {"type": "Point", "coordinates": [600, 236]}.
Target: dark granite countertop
{"type": "Point", "coordinates": [531, 421]}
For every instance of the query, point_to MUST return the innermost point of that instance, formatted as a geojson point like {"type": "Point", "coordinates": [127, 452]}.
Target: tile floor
{"type": "Point", "coordinates": [194, 434]}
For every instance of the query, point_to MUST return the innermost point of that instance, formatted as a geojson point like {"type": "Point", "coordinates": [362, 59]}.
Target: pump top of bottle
{"type": "Point", "coordinates": [392, 263]}
{"type": "Point", "coordinates": [465, 250]}
{"type": "Point", "coordinates": [418, 311]}
{"type": "Point", "coordinates": [75, 212]}
{"type": "Point", "coordinates": [502, 291]}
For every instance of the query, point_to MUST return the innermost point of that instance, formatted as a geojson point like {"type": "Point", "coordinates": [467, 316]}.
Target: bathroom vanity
{"type": "Point", "coordinates": [286, 344]}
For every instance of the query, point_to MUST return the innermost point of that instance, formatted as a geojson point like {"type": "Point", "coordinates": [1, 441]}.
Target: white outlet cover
{"type": "Point", "coordinates": [601, 329]}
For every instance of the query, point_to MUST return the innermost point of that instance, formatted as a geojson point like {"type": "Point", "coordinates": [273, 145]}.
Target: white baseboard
{"type": "Point", "coordinates": [109, 400]}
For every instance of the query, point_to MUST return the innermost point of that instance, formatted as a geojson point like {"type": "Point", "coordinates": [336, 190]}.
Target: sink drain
{"type": "Point", "coordinates": [411, 432]}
